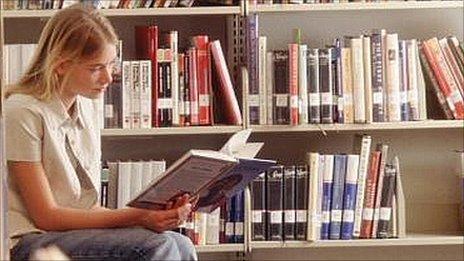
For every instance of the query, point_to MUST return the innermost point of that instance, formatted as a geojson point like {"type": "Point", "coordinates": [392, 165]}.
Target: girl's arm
{"type": "Point", "coordinates": [48, 215]}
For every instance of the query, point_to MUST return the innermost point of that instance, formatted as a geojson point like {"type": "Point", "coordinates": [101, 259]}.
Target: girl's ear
{"type": "Point", "coordinates": [63, 67]}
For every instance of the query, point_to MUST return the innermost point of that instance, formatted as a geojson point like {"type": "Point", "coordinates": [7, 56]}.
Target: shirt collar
{"type": "Point", "coordinates": [62, 115]}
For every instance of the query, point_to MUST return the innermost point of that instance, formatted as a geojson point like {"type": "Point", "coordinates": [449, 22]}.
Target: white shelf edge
{"type": "Point", "coordinates": [220, 248]}
{"type": "Point", "coordinates": [428, 124]}
{"type": "Point", "coordinates": [279, 8]}
{"type": "Point", "coordinates": [220, 10]}
{"type": "Point", "coordinates": [411, 240]}
{"type": "Point", "coordinates": [171, 131]}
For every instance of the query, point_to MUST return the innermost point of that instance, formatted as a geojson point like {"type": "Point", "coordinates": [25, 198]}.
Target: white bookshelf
{"type": "Point", "coordinates": [171, 131]}
{"type": "Point", "coordinates": [356, 6]}
{"type": "Point", "coordinates": [220, 248]}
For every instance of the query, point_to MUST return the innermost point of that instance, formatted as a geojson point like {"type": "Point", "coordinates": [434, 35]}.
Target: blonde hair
{"type": "Point", "coordinates": [74, 34]}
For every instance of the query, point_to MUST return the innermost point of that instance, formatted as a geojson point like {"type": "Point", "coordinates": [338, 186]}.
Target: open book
{"type": "Point", "coordinates": [213, 176]}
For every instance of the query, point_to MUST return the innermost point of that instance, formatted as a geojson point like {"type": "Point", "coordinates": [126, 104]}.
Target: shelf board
{"type": "Point", "coordinates": [411, 125]}
{"type": "Point", "coordinates": [410, 240]}
{"type": "Point", "coordinates": [393, 5]}
{"type": "Point", "coordinates": [171, 131]}
{"type": "Point", "coordinates": [218, 10]}
{"type": "Point", "coordinates": [220, 248]}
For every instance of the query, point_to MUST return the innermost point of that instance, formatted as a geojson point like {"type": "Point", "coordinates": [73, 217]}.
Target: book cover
{"type": "Point", "coordinates": [386, 205]}
{"type": "Point", "coordinates": [370, 195]}
{"type": "Point", "coordinates": [393, 78]}
{"type": "Point", "coordinates": [293, 82]}
{"type": "Point", "coordinates": [281, 89]}
{"type": "Point", "coordinates": [205, 106]}
{"type": "Point", "coordinates": [413, 81]}
{"type": "Point", "coordinates": [349, 196]}
{"type": "Point", "coordinates": [347, 85]}
{"type": "Point", "coordinates": [326, 83]}
{"type": "Point", "coordinates": [336, 211]}
{"type": "Point", "coordinates": [357, 68]}
{"type": "Point", "coordinates": [404, 81]}
{"type": "Point", "coordinates": [383, 148]}
{"type": "Point", "coordinates": [327, 195]}
{"type": "Point", "coordinates": [367, 69]}
{"type": "Point", "coordinates": [378, 83]}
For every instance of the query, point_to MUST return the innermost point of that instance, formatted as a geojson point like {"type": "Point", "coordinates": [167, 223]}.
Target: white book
{"type": "Point", "coordinates": [357, 66]}
{"type": "Point", "coordinates": [303, 104]}
{"type": "Point", "coordinates": [135, 95]}
{"type": "Point", "coordinates": [112, 194]}
{"type": "Point", "coordinates": [367, 78]}
{"type": "Point", "coordinates": [313, 162]}
{"type": "Point", "coordinates": [393, 78]}
{"type": "Point", "coordinates": [347, 85]}
{"type": "Point", "coordinates": [175, 77]}
{"type": "Point", "coordinates": [413, 93]}
{"type": "Point", "coordinates": [262, 50]}
{"type": "Point", "coordinates": [136, 178]}
{"type": "Point", "coordinates": [145, 94]}
{"type": "Point", "coordinates": [269, 86]}
{"type": "Point", "coordinates": [212, 223]}
{"type": "Point", "coordinates": [146, 174]}
{"type": "Point", "coordinates": [6, 64]}
{"type": "Point", "coordinates": [124, 181]}
{"type": "Point", "coordinates": [200, 227]}
{"type": "Point", "coordinates": [157, 168]}
{"type": "Point", "coordinates": [320, 189]}
{"type": "Point", "coordinates": [14, 56]}
{"type": "Point", "coordinates": [364, 144]}
{"type": "Point", "coordinates": [126, 95]}
{"type": "Point", "coordinates": [27, 53]}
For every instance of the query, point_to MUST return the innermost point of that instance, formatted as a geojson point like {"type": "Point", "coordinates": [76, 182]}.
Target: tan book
{"type": "Point", "coordinates": [393, 78]}
{"type": "Point", "coordinates": [357, 66]}
{"type": "Point", "coordinates": [347, 83]}
{"type": "Point", "coordinates": [367, 78]}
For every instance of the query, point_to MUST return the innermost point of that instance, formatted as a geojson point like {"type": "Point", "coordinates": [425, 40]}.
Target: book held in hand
{"type": "Point", "coordinates": [213, 176]}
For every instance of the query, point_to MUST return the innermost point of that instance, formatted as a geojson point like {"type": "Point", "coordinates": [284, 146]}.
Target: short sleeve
{"type": "Point", "coordinates": [23, 134]}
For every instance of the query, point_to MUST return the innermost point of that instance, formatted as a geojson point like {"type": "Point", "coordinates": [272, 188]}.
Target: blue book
{"type": "Point", "coordinates": [337, 196]}
{"type": "Point", "coordinates": [349, 196]}
{"type": "Point", "coordinates": [230, 220]}
{"type": "Point", "coordinates": [327, 195]}
{"type": "Point", "coordinates": [239, 217]}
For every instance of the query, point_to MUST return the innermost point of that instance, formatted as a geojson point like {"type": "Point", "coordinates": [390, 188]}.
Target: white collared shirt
{"type": "Point", "coordinates": [67, 146]}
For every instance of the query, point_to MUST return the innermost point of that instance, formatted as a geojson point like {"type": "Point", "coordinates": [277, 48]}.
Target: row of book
{"type": "Point", "coordinates": [443, 62]}
{"type": "Point", "coordinates": [333, 197]}
{"type": "Point", "coordinates": [371, 78]}
{"type": "Point", "coordinates": [223, 225]}
{"type": "Point", "coordinates": [101, 4]}
{"type": "Point", "coordinates": [270, 2]}
{"type": "Point", "coordinates": [124, 180]}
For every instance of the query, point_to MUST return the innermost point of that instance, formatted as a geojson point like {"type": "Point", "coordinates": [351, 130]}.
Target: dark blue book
{"type": "Point", "coordinates": [289, 203]}
{"type": "Point", "coordinates": [258, 209]}
{"type": "Point", "coordinates": [337, 196]}
{"type": "Point", "coordinates": [274, 198]}
{"type": "Point", "coordinates": [239, 217]}
{"type": "Point", "coordinates": [301, 201]}
{"type": "Point", "coordinates": [349, 196]}
{"type": "Point", "coordinates": [230, 220]}
{"type": "Point", "coordinates": [327, 183]}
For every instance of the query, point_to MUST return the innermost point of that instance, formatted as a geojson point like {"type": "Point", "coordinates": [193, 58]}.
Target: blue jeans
{"type": "Point", "coordinates": [110, 244]}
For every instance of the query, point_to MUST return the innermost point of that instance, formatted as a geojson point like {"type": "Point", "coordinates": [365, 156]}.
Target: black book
{"type": "Point", "coordinates": [274, 196]}
{"type": "Point", "coordinates": [281, 99]}
{"type": "Point", "coordinates": [165, 95]}
{"type": "Point", "coordinates": [301, 201]}
{"type": "Point", "coordinates": [289, 203]}
{"type": "Point", "coordinates": [377, 77]}
{"type": "Point", "coordinates": [337, 80]}
{"type": "Point", "coordinates": [388, 189]}
{"type": "Point", "coordinates": [325, 78]}
{"type": "Point", "coordinates": [314, 99]}
{"type": "Point", "coordinates": [258, 209]}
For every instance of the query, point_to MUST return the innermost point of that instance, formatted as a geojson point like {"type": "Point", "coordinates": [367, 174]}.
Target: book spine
{"type": "Point", "coordinates": [135, 94]}
{"type": "Point", "coordinates": [222, 223]}
{"type": "Point", "coordinates": [289, 203]}
{"type": "Point", "coordinates": [383, 148]}
{"type": "Point", "coordinates": [230, 220]}
{"type": "Point", "coordinates": [369, 196]}
{"type": "Point", "coordinates": [327, 195]}
{"type": "Point", "coordinates": [313, 162]}
{"type": "Point", "coordinates": [269, 87]}
{"type": "Point", "coordinates": [281, 91]}
{"type": "Point", "coordinates": [145, 94]}
{"type": "Point", "coordinates": [421, 88]}
{"type": "Point", "coordinates": [454, 69]}
{"type": "Point", "coordinates": [432, 81]}
{"type": "Point", "coordinates": [303, 113]}
{"type": "Point", "coordinates": [347, 83]}
{"type": "Point", "coordinates": [386, 204]}
{"type": "Point", "coordinates": [314, 98]}
{"type": "Point", "coordinates": [301, 198]}
{"type": "Point", "coordinates": [404, 82]}
{"type": "Point", "coordinates": [203, 64]}
{"type": "Point", "coordinates": [262, 54]}
{"type": "Point", "coordinates": [212, 227]}
{"type": "Point", "coordinates": [187, 88]}
{"type": "Point", "coordinates": [253, 91]}
{"type": "Point", "coordinates": [325, 77]}
{"type": "Point", "coordinates": [274, 202]}
{"type": "Point", "coordinates": [293, 82]}
{"type": "Point", "coordinates": [364, 152]}
{"type": "Point", "coordinates": [377, 78]}
{"type": "Point", "coordinates": [193, 87]}
{"type": "Point", "coordinates": [413, 93]}
{"type": "Point", "coordinates": [367, 69]}
{"type": "Point", "coordinates": [349, 196]}
{"type": "Point", "coordinates": [126, 92]}
{"type": "Point", "coordinates": [393, 78]}
{"type": "Point", "coordinates": [338, 83]}
{"type": "Point", "coordinates": [357, 66]}
{"type": "Point", "coordinates": [181, 88]}
{"type": "Point", "coordinates": [239, 217]}
{"type": "Point", "coordinates": [337, 196]}
{"type": "Point", "coordinates": [258, 208]}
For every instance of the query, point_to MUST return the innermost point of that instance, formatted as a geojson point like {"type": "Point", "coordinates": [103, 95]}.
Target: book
{"type": "Point", "coordinates": [327, 195]}
{"type": "Point", "coordinates": [213, 176]}
{"type": "Point", "coordinates": [339, 173]}
{"type": "Point", "coordinates": [258, 208]}
{"type": "Point", "coordinates": [274, 203]}
{"type": "Point", "coordinates": [301, 201]}
{"type": "Point", "coordinates": [349, 196]}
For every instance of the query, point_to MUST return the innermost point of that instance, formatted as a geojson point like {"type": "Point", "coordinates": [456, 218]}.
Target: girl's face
{"type": "Point", "coordinates": [90, 78]}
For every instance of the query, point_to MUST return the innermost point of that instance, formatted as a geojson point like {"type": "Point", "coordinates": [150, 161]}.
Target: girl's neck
{"type": "Point", "coordinates": [68, 102]}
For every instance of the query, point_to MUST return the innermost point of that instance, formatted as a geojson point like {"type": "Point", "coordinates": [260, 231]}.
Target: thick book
{"type": "Point", "coordinates": [258, 208]}
{"type": "Point", "coordinates": [327, 181]}
{"type": "Point", "coordinates": [289, 203]}
{"type": "Point", "coordinates": [205, 106]}
{"type": "Point", "coordinates": [281, 106]}
{"type": "Point", "coordinates": [274, 203]}
{"type": "Point", "coordinates": [370, 195]}
{"type": "Point", "coordinates": [213, 176]}
{"type": "Point", "coordinates": [314, 98]}
{"type": "Point", "coordinates": [388, 190]}
{"type": "Point", "coordinates": [349, 196]}
{"type": "Point", "coordinates": [339, 173]}
{"type": "Point", "coordinates": [326, 83]}
{"type": "Point", "coordinates": [301, 201]}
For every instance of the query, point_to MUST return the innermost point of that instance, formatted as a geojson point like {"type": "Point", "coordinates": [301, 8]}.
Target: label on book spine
{"type": "Point", "coordinates": [257, 216]}
{"type": "Point", "coordinates": [336, 216]}
{"type": "Point", "coordinates": [289, 216]}
{"type": "Point", "coordinates": [203, 99]}
{"type": "Point", "coordinates": [326, 98]}
{"type": "Point", "coordinates": [253, 100]}
{"type": "Point", "coordinates": [377, 97]}
{"type": "Point", "coordinates": [229, 228]}
{"type": "Point", "coordinates": [238, 228]}
{"type": "Point", "coordinates": [281, 100]}
{"type": "Point", "coordinates": [301, 216]}
{"type": "Point", "coordinates": [368, 213]}
{"type": "Point", "coordinates": [164, 103]}
{"type": "Point", "coordinates": [276, 217]}
{"type": "Point", "coordinates": [348, 215]}
{"type": "Point", "coordinates": [385, 213]}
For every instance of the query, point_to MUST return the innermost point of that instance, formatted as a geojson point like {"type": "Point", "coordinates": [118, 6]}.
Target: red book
{"type": "Point", "coordinates": [193, 86]}
{"type": "Point", "coordinates": [226, 95]}
{"type": "Point", "coordinates": [444, 78]}
{"type": "Point", "coordinates": [146, 45]}
{"type": "Point", "coordinates": [370, 195]}
{"type": "Point", "coordinates": [293, 82]}
{"type": "Point", "coordinates": [201, 43]}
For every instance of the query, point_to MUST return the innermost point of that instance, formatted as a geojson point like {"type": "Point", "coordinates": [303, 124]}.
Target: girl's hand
{"type": "Point", "coordinates": [162, 220]}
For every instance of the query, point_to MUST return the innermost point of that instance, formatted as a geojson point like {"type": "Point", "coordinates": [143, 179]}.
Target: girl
{"type": "Point", "coordinates": [53, 154]}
